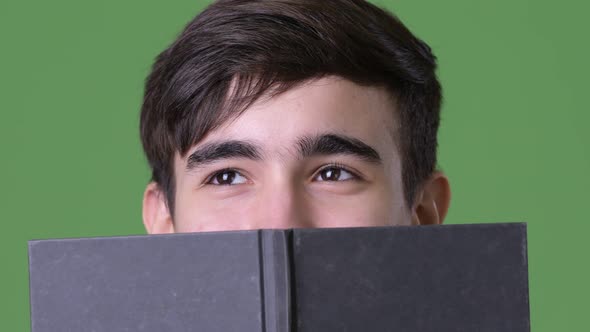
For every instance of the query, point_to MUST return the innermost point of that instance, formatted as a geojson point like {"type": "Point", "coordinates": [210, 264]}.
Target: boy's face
{"type": "Point", "coordinates": [322, 154]}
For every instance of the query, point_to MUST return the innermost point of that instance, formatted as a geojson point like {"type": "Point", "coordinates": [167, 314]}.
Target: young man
{"type": "Point", "coordinates": [292, 113]}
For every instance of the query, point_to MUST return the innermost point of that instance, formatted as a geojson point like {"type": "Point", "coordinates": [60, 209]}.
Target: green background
{"type": "Point", "coordinates": [513, 139]}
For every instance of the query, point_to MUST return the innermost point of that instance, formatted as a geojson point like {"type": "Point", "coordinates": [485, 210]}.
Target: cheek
{"type": "Point", "coordinates": [203, 215]}
{"type": "Point", "coordinates": [204, 212]}
{"type": "Point", "coordinates": [373, 209]}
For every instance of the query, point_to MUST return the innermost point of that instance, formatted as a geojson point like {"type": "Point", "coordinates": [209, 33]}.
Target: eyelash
{"type": "Point", "coordinates": [212, 176]}
{"type": "Point", "coordinates": [337, 165]}
{"type": "Point", "coordinates": [332, 165]}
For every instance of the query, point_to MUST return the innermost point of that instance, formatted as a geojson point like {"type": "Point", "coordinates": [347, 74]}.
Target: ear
{"type": "Point", "coordinates": [432, 201]}
{"type": "Point", "coordinates": [156, 215]}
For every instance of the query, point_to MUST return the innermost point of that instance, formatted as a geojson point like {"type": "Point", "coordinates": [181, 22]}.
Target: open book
{"type": "Point", "coordinates": [415, 278]}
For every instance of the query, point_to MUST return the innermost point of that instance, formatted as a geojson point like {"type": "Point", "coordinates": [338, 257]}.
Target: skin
{"type": "Point", "coordinates": [277, 185]}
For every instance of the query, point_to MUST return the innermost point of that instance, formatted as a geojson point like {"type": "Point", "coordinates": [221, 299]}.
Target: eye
{"type": "Point", "coordinates": [227, 177]}
{"type": "Point", "coordinates": [334, 173]}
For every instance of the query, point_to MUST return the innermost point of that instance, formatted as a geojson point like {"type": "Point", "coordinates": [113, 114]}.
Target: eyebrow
{"type": "Point", "coordinates": [329, 144]}
{"type": "Point", "coordinates": [216, 151]}
{"type": "Point", "coordinates": [308, 146]}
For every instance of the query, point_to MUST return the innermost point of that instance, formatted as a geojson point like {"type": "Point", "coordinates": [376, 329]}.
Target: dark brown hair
{"type": "Point", "coordinates": [237, 51]}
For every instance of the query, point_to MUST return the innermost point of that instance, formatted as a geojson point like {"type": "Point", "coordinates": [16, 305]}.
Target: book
{"type": "Point", "coordinates": [403, 278]}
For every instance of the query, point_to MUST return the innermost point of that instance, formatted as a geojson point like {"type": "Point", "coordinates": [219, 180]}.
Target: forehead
{"type": "Point", "coordinates": [329, 105]}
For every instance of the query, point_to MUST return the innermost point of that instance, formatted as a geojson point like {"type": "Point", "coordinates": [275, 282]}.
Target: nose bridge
{"type": "Point", "coordinates": [284, 206]}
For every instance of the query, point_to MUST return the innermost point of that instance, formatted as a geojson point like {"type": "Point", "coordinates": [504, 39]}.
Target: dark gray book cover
{"type": "Point", "coordinates": [417, 278]}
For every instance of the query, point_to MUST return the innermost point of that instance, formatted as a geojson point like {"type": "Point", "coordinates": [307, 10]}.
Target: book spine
{"type": "Point", "coordinates": [276, 281]}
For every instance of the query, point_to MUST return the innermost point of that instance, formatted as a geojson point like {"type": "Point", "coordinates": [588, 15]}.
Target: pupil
{"type": "Point", "coordinates": [226, 177]}
{"type": "Point", "coordinates": [331, 174]}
